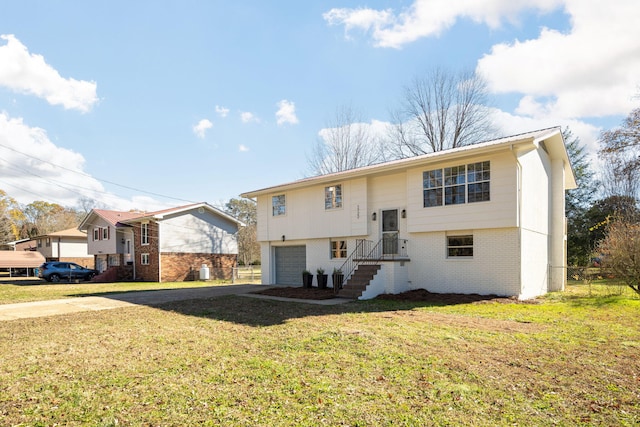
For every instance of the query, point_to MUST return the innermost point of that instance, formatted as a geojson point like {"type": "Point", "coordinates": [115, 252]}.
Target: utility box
{"type": "Point", "coordinates": [204, 272]}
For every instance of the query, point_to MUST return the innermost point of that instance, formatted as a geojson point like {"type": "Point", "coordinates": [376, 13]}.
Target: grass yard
{"type": "Point", "coordinates": [17, 290]}
{"type": "Point", "coordinates": [570, 359]}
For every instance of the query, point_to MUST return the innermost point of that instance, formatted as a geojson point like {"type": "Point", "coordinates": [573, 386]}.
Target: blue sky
{"type": "Point", "coordinates": [151, 104]}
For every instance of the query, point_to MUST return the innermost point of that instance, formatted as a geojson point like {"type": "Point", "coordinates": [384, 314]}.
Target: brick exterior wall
{"type": "Point", "coordinates": [177, 267]}
{"type": "Point", "coordinates": [151, 272]}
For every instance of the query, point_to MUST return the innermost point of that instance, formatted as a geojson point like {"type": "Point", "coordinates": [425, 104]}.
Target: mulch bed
{"type": "Point", "coordinates": [299, 293]}
{"type": "Point", "coordinates": [418, 295]}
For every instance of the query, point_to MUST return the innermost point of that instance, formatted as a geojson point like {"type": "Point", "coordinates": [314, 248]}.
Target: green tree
{"type": "Point", "coordinates": [245, 210]}
{"type": "Point", "coordinates": [8, 230]}
{"type": "Point", "coordinates": [43, 217]}
{"type": "Point", "coordinates": [578, 201]}
{"type": "Point", "coordinates": [598, 216]}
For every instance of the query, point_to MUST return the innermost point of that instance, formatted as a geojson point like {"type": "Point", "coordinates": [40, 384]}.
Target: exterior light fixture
{"type": "Point", "coordinates": [283, 238]}
{"type": "Point", "coordinates": [403, 213]}
{"type": "Point", "coordinates": [373, 216]}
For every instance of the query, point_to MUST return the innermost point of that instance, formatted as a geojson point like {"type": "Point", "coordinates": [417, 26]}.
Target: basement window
{"type": "Point", "coordinates": [460, 246]}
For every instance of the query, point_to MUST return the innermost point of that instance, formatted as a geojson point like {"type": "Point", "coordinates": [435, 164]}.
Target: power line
{"type": "Point", "coordinates": [93, 177]}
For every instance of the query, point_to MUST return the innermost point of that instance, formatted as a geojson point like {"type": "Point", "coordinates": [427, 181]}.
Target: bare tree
{"type": "Point", "coordinates": [441, 110]}
{"type": "Point", "coordinates": [621, 250]}
{"type": "Point", "coordinates": [346, 143]}
{"type": "Point", "coordinates": [620, 150]}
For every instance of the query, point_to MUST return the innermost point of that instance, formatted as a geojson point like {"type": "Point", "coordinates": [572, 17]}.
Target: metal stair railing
{"type": "Point", "coordinates": [364, 253]}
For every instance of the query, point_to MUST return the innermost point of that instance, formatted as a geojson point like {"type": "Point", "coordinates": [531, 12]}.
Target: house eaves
{"type": "Point", "coordinates": [532, 138]}
{"type": "Point", "coordinates": [160, 215]}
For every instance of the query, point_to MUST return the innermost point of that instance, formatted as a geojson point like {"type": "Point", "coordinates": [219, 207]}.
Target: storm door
{"type": "Point", "coordinates": [390, 232]}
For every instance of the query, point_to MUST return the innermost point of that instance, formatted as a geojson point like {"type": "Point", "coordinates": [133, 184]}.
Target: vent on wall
{"type": "Point", "coordinates": [201, 209]}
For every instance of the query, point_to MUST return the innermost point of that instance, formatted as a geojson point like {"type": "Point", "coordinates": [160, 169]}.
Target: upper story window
{"type": "Point", "coordinates": [48, 242]}
{"type": "Point", "coordinates": [144, 233]}
{"type": "Point", "coordinates": [333, 197]}
{"type": "Point", "coordinates": [39, 243]}
{"type": "Point", "coordinates": [105, 233]}
{"type": "Point", "coordinates": [278, 204]}
{"type": "Point", "coordinates": [478, 177]}
{"type": "Point", "coordinates": [432, 184]}
{"type": "Point", "coordinates": [457, 185]}
{"type": "Point", "coordinates": [96, 233]}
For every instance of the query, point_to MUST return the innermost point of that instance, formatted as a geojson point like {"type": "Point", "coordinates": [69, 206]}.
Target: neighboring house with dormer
{"type": "Point", "coordinates": [487, 218]}
{"type": "Point", "coordinates": [166, 245]}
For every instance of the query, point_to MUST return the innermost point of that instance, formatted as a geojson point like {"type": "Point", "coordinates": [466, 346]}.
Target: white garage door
{"type": "Point", "coordinates": [290, 262]}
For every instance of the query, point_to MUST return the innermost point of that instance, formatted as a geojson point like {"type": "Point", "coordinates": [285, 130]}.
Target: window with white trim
{"type": "Point", "coordinates": [105, 233]}
{"type": "Point", "coordinates": [96, 233]}
{"type": "Point", "coordinates": [338, 249]}
{"type": "Point", "coordinates": [279, 205]}
{"type": "Point", "coordinates": [144, 259]}
{"type": "Point", "coordinates": [457, 185]}
{"type": "Point", "coordinates": [454, 180]}
{"type": "Point", "coordinates": [432, 184]}
{"type": "Point", "coordinates": [144, 233]}
{"type": "Point", "coordinates": [460, 246]}
{"type": "Point", "coordinates": [478, 182]}
{"type": "Point", "coordinates": [333, 197]}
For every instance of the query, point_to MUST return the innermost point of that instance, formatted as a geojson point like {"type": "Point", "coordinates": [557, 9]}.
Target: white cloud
{"type": "Point", "coordinates": [243, 148]}
{"type": "Point", "coordinates": [33, 168]}
{"type": "Point", "coordinates": [286, 113]}
{"type": "Point", "coordinates": [26, 178]}
{"type": "Point", "coordinates": [591, 71]}
{"type": "Point", "coordinates": [28, 73]}
{"type": "Point", "coordinates": [248, 117]}
{"type": "Point", "coordinates": [425, 18]}
{"type": "Point", "coordinates": [201, 128]}
{"type": "Point", "coordinates": [222, 111]}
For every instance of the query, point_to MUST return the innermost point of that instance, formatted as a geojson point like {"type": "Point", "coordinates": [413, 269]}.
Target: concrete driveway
{"type": "Point", "coordinates": [26, 310]}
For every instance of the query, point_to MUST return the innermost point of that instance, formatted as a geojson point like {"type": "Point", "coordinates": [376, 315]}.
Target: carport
{"type": "Point", "coordinates": [13, 260]}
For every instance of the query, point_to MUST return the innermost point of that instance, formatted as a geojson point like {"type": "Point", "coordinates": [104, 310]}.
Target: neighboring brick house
{"type": "Point", "coordinates": [163, 246]}
{"type": "Point", "coordinates": [486, 218]}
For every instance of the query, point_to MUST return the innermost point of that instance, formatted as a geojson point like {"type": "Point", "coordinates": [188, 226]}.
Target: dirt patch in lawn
{"type": "Point", "coordinates": [418, 295]}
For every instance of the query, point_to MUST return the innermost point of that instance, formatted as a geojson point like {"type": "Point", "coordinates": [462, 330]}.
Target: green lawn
{"type": "Point", "coordinates": [570, 359]}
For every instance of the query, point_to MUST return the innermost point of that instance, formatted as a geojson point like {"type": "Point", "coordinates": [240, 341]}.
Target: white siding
{"type": "Point", "coordinates": [387, 192]}
{"type": "Point", "coordinates": [101, 246]}
{"type": "Point", "coordinates": [71, 248]}
{"type": "Point", "coordinates": [494, 269]}
{"type": "Point", "coordinates": [195, 232]}
{"type": "Point", "coordinates": [306, 216]}
{"type": "Point", "coordinates": [500, 211]}
{"type": "Point", "coordinates": [536, 172]}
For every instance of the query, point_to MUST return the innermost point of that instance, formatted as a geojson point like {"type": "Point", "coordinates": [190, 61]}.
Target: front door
{"type": "Point", "coordinates": [390, 232]}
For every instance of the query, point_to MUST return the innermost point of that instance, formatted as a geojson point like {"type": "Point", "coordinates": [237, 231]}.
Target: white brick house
{"type": "Point", "coordinates": [487, 218]}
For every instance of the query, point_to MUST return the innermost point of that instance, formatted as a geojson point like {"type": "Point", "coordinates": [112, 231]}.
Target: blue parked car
{"type": "Point", "coordinates": [56, 271]}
